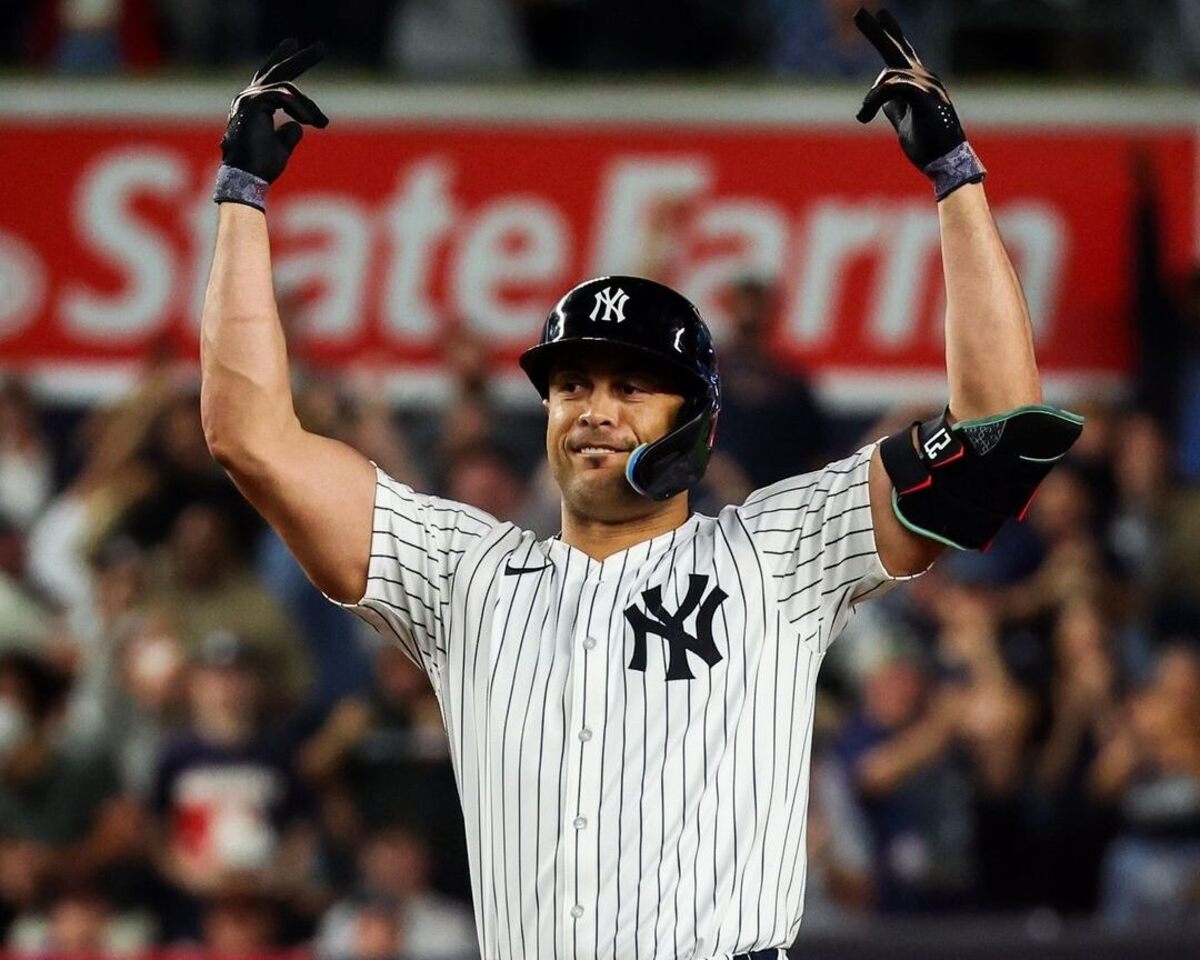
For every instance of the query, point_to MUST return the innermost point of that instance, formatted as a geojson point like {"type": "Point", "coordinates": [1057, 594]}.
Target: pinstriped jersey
{"type": "Point", "coordinates": [630, 737]}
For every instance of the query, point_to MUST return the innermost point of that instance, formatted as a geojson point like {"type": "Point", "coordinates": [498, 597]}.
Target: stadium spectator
{"type": "Point", "coordinates": [483, 477]}
{"type": "Point", "coordinates": [1142, 474]}
{"type": "Point", "coordinates": [384, 755]}
{"type": "Point", "coordinates": [203, 585]}
{"type": "Point", "coordinates": [469, 415]}
{"type": "Point", "coordinates": [231, 812]}
{"type": "Point", "coordinates": [149, 704]}
{"type": "Point", "coordinates": [243, 924]}
{"type": "Point", "coordinates": [1069, 831]}
{"type": "Point", "coordinates": [756, 388]}
{"type": "Point", "coordinates": [1070, 561]}
{"type": "Point", "coordinates": [181, 474]}
{"type": "Point", "coordinates": [118, 588]}
{"type": "Point", "coordinates": [992, 729]}
{"type": "Point", "coordinates": [839, 883]}
{"type": "Point", "coordinates": [1150, 767]}
{"type": "Point", "coordinates": [81, 921]}
{"type": "Point", "coordinates": [60, 811]}
{"type": "Point", "coordinates": [366, 928]}
{"type": "Point", "coordinates": [119, 470]}
{"type": "Point", "coordinates": [25, 616]}
{"type": "Point", "coordinates": [895, 749]}
{"type": "Point", "coordinates": [101, 36]}
{"type": "Point", "coordinates": [26, 466]}
{"type": "Point", "coordinates": [395, 872]}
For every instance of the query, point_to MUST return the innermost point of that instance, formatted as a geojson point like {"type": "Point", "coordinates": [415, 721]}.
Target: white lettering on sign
{"type": "Point", "coordinates": [519, 242]}
{"type": "Point", "coordinates": [427, 255]}
{"type": "Point", "coordinates": [900, 242]}
{"type": "Point", "coordinates": [909, 262]}
{"type": "Point", "coordinates": [201, 224]}
{"type": "Point", "coordinates": [1037, 241]}
{"type": "Point", "coordinates": [836, 234]}
{"type": "Point", "coordinates": [757, 232]}
{"type": "Point", "coordinates": [336, 269]}
{"type": "Point", "coordinates": [136, 250]}
{"type": "Point", "coordinates": [418, 218]}
{"type": "Point", "coordinates": [22, 284]}
{"type": "Point", "coordinates": [632, 189]}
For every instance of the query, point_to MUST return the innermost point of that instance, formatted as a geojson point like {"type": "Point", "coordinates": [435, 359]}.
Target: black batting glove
{"type": "Point", "coordinates": [917, 105]}
{"type": "Point", "coordinates": [254, 152]}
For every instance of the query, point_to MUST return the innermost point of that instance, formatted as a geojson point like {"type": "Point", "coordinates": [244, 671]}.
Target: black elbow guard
{"type": "Point", "coordinates": [960, 483]}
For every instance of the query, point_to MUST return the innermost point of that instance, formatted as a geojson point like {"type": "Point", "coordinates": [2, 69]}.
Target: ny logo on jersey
{"type": "Point", "coordinates": [655, 620]}
{"type": "Point", "coordinates": [613, 302]}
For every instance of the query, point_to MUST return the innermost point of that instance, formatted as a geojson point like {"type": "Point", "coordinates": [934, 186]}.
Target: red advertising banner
{"type": "Point", "coordinates": [387, 235]}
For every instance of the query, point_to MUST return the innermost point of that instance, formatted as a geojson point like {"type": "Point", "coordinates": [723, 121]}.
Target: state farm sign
{"type": "Point", "coordinates": [386, 234]}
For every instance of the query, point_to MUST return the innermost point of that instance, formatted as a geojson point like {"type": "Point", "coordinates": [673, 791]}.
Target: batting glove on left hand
{"type": "Point", "coordinates": [254, 152]}
{"type": "Point", "coordinates": [916, 103]}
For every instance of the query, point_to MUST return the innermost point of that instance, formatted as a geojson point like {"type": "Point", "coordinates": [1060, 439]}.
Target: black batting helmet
{"type": "Point", "coordinates": [654, 320]}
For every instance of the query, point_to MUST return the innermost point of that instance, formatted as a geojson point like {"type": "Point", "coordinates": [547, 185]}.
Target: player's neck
{"type": "Point", "coordinates": [600, 539]}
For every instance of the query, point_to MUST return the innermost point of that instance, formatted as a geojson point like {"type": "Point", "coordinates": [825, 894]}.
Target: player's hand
{"type": "Point", "coordinates": [252, 143]}
{"type": "Point", "coordinates": [915, 101]}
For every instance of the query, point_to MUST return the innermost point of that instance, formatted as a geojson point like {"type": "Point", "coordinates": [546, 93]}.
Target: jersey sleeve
{"type": "Point", "coordinates": [417, 543]}
{"type": "Point", "coordinates": [817, 541]}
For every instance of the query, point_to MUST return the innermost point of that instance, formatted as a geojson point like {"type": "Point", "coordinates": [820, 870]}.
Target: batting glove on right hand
{"type": "Point", "coordinates": [916, 103]}
{"type": "Point", "coordinates": [254, 152]}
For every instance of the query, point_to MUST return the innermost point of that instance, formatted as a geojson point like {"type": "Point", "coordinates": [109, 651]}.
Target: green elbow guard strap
{"type": "Point", "coordinates": [961, 483]}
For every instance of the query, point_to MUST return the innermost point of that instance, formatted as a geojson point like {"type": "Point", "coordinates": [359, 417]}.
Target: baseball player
{"type": "Point", "coordinates": [629, 703]}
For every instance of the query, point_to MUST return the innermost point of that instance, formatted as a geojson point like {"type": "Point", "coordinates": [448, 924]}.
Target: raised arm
{"type": "Point", "coordinates": [997, 440]}
{"type": "Point", "coordinates": [990, 364]}
{"type": "Point", "coordinates": [317, 493]}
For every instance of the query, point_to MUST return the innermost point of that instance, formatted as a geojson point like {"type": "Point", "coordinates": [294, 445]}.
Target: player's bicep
{"type": "Point", "coordinates": [902, 552]}
{"type": "Point", "coordinates": [319, 496]}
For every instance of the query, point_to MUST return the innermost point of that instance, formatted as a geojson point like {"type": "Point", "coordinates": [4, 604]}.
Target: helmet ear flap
{"type": "Point", "coordinates": [673, 463]}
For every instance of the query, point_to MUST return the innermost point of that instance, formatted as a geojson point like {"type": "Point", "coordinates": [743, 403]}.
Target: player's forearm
{"type": "Point", "coordinates": [990, 359]}
{"type": "Point", "coordinates": [245, 399]}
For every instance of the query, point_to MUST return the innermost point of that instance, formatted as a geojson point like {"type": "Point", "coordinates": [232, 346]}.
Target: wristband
{"type": "Point", "coordinates": [958, 167]}
{"type": "Point", "coordinates": [238, 186]}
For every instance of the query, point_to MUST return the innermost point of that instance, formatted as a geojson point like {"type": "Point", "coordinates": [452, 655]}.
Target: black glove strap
{"type": "Point", "coordinates": [238, 186]}
{"type": "Point", "coordinates": [958, 167]}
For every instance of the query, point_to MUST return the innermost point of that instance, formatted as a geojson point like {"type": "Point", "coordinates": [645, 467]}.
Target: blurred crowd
{"type": "Point", "coordinates": [452, 39]}
{"type": "Point", "coordinates": [197, 750]}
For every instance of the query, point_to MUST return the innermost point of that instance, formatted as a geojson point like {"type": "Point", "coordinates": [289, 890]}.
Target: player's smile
{"type": "Point", "coordinates": [594, 449]}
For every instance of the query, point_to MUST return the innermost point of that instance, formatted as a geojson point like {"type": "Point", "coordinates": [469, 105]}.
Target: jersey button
{"type": "Point", "coordinates": [580, 823]}
{"type": "Point", "coordinates": [589, 643]}
{"type": "Point", "coordinates": [585, 734]}
{"type": "Point", "coordinates": [577, 911]}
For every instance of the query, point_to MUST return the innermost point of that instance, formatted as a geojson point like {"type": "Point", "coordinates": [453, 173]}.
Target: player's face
{"type": "Point", "coordinates": [602, 405]}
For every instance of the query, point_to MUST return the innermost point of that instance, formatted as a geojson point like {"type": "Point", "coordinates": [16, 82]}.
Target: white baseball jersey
{"type": "Point", "coordinates": [630, 736]}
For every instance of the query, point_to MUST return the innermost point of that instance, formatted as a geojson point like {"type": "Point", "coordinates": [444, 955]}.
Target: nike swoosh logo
{"type": "Point", "coordinates": [511, 571]}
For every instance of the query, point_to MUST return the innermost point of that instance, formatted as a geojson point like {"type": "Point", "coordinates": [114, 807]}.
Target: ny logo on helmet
{"type": "Point", "coordinates": [613, 302]}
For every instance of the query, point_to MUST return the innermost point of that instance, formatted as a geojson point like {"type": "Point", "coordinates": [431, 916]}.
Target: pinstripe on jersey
{"type": "Point", "coordinates": [609, 812]}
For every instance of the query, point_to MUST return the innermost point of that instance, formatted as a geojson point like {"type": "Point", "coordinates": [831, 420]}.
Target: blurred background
{"type": "Point", "coordinates": [198, 752]}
